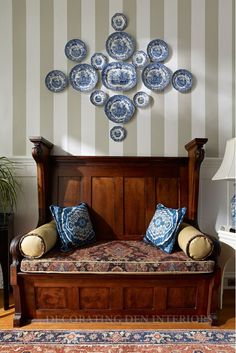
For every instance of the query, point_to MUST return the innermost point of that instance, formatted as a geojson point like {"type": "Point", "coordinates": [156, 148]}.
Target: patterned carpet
{"type": "Point", "coordinates": [117, 341]}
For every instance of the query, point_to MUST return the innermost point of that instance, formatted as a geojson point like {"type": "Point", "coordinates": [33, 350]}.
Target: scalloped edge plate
{"type": "Point", "coordinates": [118, 133]}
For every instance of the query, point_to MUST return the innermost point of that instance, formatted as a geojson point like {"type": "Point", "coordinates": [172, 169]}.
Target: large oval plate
{"type": "Point", "coordinates": [157, 50]}
{"type": "Point", "coordinates": [120, 45]}
{"type": "Point", "coordinates": [182, 80]}
{"type": "Point", "coordinates": [156, 76]}
{"type": "Point", "coordinates": [119, 76]}
{"type": "Point", "coordinates": [83, 77]}
{"type": "Point", "coordinates": [56, 81]}
{"type": "Point", "coordinates": [119, 109]}
{"type": "Point", "coordinates": [76, 50]}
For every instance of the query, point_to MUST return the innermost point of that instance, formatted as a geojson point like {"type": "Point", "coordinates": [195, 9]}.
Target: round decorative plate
{"type": "Point", "coordinates": [119, 109]}
{"type": "Point", "coordinates": [76, 50]}
{"type": "Point", "coordinates": [182, 80]}
{"type": "Point", "coordinates": [141, 99]}
{"type": "Point", "coordinates": [118, 133]}
{"type": "Point", "coordinates": [120, 45]}
{"type": "Point", "coordinates": [83, 77]}
{"type": "Point", "coordinates": [140, 59]}
{"type": "Point", "coordinates": [119, 76]}
{"type": "Point", "coordinates": [157, 50]}
{"type": "Point", "coordinates": [56, 81]}
{"type": "Point", "coordinates": [119, 21]}
{"type": "Point", "coordinates": [98, 97]}
{"type": "Point", "coordinates": [156, 76]}
{"type": "Point", "coordinates": [98, 61]}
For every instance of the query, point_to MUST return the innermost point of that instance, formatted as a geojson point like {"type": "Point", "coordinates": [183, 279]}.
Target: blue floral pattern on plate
{"type": "Point", "coordinates": [182, 80]}
{"type": "Point", "coordinates": [119, 76]}
{"type": "Point", "coordinates": [56, 81]}
{"type": "Point", "coordinates": [140, 59]}
{"type": "Point", "coordinates": [76, 50]}
{"type": "Point", "coordinates": [156, 76]}
{"type": "Point", "coordinates": [83, 77]}
{"type": "Point", "coordinates": [141, 99]}
{"type": "Point", "coordinates": [98, 97]}
{"type": "Point", "coordinates": [120, 45]}
{"type": "Point", "coordinates": [119, 21]}
{"type": "Point", "coordinates": [98, 61]}
{"type": "Point", "coordinates": [118, 133]}
{"type": "Point", "coordinates": [157, 50]}
{"type": "Point", "coordinates": [119, 109]}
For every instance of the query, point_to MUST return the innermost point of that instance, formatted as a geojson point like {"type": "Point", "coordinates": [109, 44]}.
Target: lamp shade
{"type": "Point", "coordinates": [227, 168]}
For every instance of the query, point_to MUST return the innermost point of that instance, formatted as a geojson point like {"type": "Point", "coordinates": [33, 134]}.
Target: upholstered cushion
{"type": "Point", "coordinates": [195, 244]}
{"type": "Point", "coordinates": [117, 256]}
{"type": "Point", "coordinates": [38, 241]}
{"type": "Point", "coordinates": [163, 227]}
{"type": "Point", "coordinates": [74, 226]}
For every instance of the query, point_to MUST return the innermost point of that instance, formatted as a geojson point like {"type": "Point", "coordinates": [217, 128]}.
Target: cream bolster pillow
{"type": "Point", "coordinates": [38, 241]}
{"type": "Point", "coordinates": [194, 244]}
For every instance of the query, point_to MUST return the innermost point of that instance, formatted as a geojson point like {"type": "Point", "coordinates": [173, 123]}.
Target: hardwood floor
{"type": "Point", "coordinates": [226, 320]}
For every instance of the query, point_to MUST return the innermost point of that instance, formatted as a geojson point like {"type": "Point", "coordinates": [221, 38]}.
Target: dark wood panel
{"type": "Point", "coordinates": [69, 191]}
{"type": "Point", "coordinates": [94, 298]}
{"type": "Point", "coordinates": [134, 206]}
{"type": "Point", "coordinates": [168, 192]}
{"type": "Point", "coordinates": [138, 298]}
{"type": "Point", "coordinates": [51, 298]}
{"type": "Point", "coordinates": [182, 297]}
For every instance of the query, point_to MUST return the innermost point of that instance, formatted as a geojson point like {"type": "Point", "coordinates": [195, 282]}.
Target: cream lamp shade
{"type": "Point", "coordinates": [227, 168]}
{"type": "Point", "coordinates": [227, 172]}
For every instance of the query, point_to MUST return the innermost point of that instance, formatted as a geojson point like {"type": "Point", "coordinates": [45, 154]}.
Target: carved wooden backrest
{"type": "Point", "coordinates": [121, 192]}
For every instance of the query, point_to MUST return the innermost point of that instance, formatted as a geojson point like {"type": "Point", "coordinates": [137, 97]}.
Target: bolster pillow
{"type": "Point", "coordinates": [38, 241]}
{"type": "Point", "coordinates": [194, 244]}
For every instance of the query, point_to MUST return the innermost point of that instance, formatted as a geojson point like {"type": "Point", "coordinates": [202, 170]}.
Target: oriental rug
{"type": "Point", "coordinates": [117, 341]}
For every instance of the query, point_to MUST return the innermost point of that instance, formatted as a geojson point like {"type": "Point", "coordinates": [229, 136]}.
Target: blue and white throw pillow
{"type": "Point", "coordinates": [163, 227]}
{"type": "Point", "coordinates": [74, 226]}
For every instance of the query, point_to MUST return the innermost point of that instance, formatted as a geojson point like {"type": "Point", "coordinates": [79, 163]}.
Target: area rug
{"type": "Point", "coordinates": [117, 341]}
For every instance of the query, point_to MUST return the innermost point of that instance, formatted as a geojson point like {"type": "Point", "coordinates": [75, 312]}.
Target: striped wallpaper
{"type": "Point", "coordinates": [33, 33]}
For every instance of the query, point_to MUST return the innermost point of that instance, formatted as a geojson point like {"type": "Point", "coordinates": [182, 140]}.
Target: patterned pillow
{"type": "Point", "coordinates": [73, 225]}
{"type": "Point", "coordinates": [163, 227]}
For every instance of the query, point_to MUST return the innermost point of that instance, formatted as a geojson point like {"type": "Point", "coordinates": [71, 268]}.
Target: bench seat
{"type": "Point", "coordinates": [123, 257]}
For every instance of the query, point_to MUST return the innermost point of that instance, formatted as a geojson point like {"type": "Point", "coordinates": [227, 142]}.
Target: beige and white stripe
{"type": "Point", "coordinates": [6, 81]}
{"type": "Point", "coordinates": [33, 34]}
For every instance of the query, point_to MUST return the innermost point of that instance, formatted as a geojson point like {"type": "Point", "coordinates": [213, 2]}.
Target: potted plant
{"type": "Point", "coordinates": [8, 188]}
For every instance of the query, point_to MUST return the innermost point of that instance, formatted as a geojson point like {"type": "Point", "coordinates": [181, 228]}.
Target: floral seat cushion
{"type": "Point", "coordinates": [116, 257]}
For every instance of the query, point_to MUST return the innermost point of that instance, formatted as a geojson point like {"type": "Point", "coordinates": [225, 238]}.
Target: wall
{"type": "Point", "coordinates": [33, 34]}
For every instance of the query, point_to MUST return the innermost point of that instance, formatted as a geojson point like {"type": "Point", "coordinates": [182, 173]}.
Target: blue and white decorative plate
{"type": "Point", "coordinates": [76, 50]}
{"type": "Point", "coordinates": [140, 59]}
{"type": "Point", "coordinates": [119, 76]}
{"type": "Point", "coordinates": [56, 81]}
{"type": "Point", "coordinates": [118, 133]}
{"type": "Point", "coordinates": [182, 80]}
{"type": "Point", "coordinates": [120, 45]}
{"type": "Point", "coordinates": [141, 99]}
{"type": "Point", "coordinates": [157, 50]}
{"type": "Point", "coordinates": [156, 76]}
{"type": "Point", "coordinates": [119, 21]}
{"type": "Point", "coordinates": [119, 109]}
{"type": "Point", "coordinates": [98, 97]}
{"type": "Point", "coordinates": [98, 61]}
{"type": "Point", "coordinates": [83, 77]}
